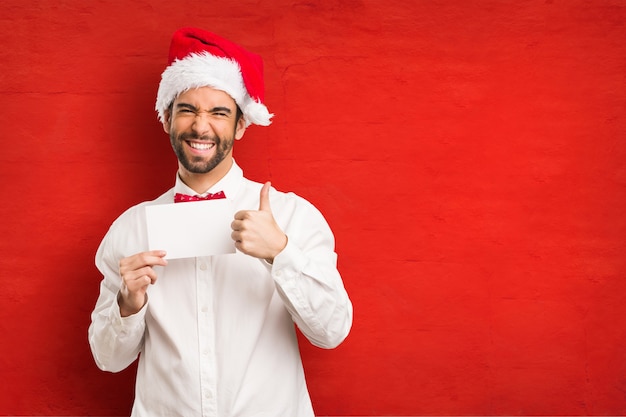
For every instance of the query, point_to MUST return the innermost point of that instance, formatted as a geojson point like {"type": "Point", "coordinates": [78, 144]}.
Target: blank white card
{"type": "Point", "coordinates": [185, 230]}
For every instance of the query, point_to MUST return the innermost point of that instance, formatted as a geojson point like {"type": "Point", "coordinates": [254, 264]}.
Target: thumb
{"type": "Point", "coordinates": [264, 204]}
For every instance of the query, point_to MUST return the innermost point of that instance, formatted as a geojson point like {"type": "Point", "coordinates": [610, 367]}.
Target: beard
{"type": "Point", "coordinates": [197, 164]}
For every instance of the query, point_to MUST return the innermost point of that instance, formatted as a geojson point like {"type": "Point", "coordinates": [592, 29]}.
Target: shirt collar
{"type": "Point", "coordinates": [229, 184]}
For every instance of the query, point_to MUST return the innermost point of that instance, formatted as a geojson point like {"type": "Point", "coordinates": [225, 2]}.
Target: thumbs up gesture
{"type": "Point", "coordinates": [256, 233]}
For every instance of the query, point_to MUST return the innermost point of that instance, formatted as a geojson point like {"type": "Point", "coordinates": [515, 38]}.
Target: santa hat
{"type": "Point", "coordinates": [198, 58]}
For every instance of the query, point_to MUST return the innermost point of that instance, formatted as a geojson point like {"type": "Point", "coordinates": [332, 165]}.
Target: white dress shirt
{"type": "Point", "coordinates": [217, 337]}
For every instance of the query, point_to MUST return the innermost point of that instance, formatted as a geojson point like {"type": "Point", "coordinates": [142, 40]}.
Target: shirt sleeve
{"type": "Point", "coordinates": [115, 341]}
{"type": "Point", "coordinates": [308, 281]}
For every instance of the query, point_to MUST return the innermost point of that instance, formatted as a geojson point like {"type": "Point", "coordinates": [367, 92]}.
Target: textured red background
{"type": "Point", "coordinates": [469, 156]}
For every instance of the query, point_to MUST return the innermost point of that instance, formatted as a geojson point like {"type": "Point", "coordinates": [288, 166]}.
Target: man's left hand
{"type": "Point", "coordinates": [256, 233]}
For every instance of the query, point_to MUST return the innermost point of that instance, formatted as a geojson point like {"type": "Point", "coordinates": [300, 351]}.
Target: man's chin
{"type": "Point", "coordinates": [200, 167]}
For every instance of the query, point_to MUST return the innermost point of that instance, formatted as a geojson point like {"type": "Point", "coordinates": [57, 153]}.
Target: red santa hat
{"type": "Point", "coordinates": [198, 58]}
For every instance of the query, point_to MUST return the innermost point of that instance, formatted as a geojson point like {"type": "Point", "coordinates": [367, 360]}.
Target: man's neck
{"type": "Point", "coordinates": [201, 183]}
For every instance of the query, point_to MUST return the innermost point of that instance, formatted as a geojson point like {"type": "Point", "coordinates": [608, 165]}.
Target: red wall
{"type": "Point", "coordinates": [470, 156]}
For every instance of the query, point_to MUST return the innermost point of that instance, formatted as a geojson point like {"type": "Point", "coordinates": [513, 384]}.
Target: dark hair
{"type": "Point", "coordinates": [239, 114]}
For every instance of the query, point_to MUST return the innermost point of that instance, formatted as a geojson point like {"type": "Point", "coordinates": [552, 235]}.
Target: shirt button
{"type": "Point", "coordinates": [203, 266]}
{"type": "Point", "coordinates": [279, 273]}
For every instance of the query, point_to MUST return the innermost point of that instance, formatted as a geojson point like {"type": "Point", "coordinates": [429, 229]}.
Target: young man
{"type": "Point", "coordinates": [215, 334]}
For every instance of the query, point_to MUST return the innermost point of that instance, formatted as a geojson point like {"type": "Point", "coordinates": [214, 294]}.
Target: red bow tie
{"type": "Point", "coordinates": [184, 198]}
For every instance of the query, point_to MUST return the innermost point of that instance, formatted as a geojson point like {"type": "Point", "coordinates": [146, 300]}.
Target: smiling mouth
{"type": "Point", "coordinates": [201, 146]}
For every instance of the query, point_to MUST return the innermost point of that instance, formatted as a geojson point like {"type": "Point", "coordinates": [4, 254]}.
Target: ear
{"type": "Point", "coordinates": [240, 129]}
{"type": "Point", "coordinates": [167, 120]}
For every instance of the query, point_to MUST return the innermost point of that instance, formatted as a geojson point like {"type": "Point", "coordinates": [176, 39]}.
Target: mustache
{"type": "Point", "coordinates": [194, 136]}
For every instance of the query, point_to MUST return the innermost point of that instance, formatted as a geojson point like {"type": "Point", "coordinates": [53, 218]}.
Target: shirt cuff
{"type": "Point", "coordinates": [288, 264]}
{"type": "Point", "coordinates": [124, 325]}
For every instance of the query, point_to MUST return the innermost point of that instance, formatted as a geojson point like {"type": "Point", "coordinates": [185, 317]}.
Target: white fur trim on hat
{"type": "Point", "coordinates": [206, 70]}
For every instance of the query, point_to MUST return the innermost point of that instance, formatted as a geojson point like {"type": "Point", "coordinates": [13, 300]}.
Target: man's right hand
{"type": "Point", "coordinates": [137, 273]}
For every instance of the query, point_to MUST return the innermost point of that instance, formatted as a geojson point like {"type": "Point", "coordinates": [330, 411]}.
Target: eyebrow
{"type": "Point", "coordinates": [221, 109]}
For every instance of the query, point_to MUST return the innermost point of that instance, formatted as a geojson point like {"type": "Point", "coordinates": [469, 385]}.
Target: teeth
{"type": "Point", "coordinates": [201, 146]}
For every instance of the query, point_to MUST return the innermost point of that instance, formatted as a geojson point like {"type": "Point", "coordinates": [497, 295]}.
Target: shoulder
{"type": "Point", "coordinates": [137, 212]}
{"type": "Point", "coordinates": [128, 230]}
{"type": "Point", "coordinates": [280, 200]}
{"type": "Point", "coordinates": [290, 210]}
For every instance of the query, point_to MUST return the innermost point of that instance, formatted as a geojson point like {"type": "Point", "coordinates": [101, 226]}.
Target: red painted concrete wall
{"type": "Point", "coordinates": [470, 156]}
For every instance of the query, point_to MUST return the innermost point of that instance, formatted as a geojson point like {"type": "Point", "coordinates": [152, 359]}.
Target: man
{"type": "Point", "coordinates": [215, 334]}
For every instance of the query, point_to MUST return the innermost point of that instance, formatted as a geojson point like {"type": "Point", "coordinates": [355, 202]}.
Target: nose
{"type": "Point", "coordinates": [202, 125]}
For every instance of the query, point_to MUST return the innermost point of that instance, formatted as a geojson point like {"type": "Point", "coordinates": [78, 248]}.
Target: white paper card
{"type": "Point", "coordinates": [185, 230]}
